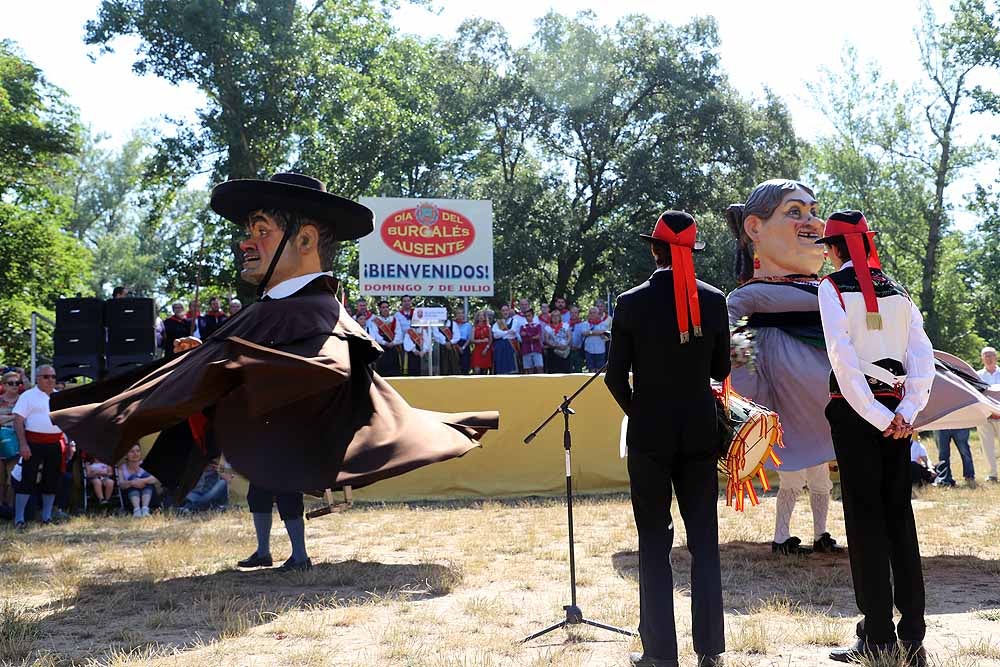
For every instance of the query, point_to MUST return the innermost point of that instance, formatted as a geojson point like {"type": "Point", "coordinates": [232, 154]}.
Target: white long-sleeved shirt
{"type": "Point", "coordinates": [903, 328]}
{"type": "Point", "coordinates": [425, 347]}
{"type": "Point", "coordinates": [372, 326]}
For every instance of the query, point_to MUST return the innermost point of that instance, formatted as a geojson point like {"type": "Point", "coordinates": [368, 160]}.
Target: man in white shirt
{"type": "Point", "coordinates": [882, 370]}
{"type": "Point", "coordinates": [40, 445]}
{"type": "Point", "coordinates": [989, 432]}
{"type": "Point", "coordinates": [461, 339]}
{"type": "Point", "coordinates": [594, 337]}
{"type": "Point", "coordinates": [405, 313]}
{"type": "Point", "coordinates": [417, 346]}
{"type": "Point", "coordinates": [921, 472]}
{"type": "Point", "coordinates": [521, 316]}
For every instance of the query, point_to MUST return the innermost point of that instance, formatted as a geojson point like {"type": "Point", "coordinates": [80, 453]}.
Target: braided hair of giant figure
{"type": "Point", "coordinates": [776, 230]}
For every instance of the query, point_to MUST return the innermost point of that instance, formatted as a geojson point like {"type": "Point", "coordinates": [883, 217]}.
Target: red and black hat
{"type": "Point", "coordinates": [853, 227]}
{"type": "Point", "coordinates": [676, 228]}
{"type": "Point", "coordinates": [679, 231]}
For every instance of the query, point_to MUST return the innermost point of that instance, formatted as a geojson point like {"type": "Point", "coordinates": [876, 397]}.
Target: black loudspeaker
{"type": "Point", "coordinates": [119, 365]}
{"type": "Point", "coordinates": [88, 366]}
{"type": "Point", "coordinates": [129, 314]}
{"type": "Point", "coordinates": [79, 313]}
{"type": "Point", "coordinates": [130, 331]}
{"type": "Point", "coordinates": [78, 342]}
{"type": "Point", "coordinates": [78, 339]}
{"type": "Point", "coordinates": [131, 342]}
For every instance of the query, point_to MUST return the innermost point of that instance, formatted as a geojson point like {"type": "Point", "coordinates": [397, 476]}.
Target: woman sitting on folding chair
{"type": "Point", "coordinates": [137, 484]}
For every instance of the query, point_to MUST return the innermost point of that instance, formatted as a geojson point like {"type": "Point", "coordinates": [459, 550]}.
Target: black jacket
{"type": "Point", "coordinates": [669, 402]}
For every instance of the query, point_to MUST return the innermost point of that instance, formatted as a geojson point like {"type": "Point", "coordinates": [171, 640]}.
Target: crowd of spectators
{"type": "Point", "coordinates": [82, 477]}
{"type": "Point", "coordinates": [555, 338]}
{"type": "Point", "coordinates": [516, 338]}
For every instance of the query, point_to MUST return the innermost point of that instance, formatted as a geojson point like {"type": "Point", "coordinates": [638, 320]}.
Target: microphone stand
{"type": "Point", "coordinates": [574, 615]}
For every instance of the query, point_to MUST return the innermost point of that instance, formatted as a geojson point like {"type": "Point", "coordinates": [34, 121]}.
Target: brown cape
{"type": "Point", "coordinates": [291, 400]}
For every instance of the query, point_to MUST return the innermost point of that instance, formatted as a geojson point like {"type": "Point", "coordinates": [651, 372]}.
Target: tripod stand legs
{"type": "Point", "coordinates": [574, 616]}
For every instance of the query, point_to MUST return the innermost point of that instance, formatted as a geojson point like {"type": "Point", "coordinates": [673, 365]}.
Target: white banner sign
{"type": "Point", "coordinates": [428, 247]}
{"type": "Point", "coordinates": [429, 317]}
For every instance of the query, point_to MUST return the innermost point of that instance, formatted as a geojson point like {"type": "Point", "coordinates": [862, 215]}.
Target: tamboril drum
{"type": "Point", "coordinates": [748, 434]}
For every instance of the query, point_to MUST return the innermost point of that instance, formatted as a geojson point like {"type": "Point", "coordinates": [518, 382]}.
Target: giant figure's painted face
{"type": "Point", "coordinates": [786, 242]}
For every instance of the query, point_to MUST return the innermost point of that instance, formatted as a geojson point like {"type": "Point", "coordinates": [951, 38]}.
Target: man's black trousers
{"type": "Point", "coordinates": [881, 533]}
{"type": "Point", "coordinates": [261, 501]}
{"type": "Point", "coordinates": [48, 456]}
{"type": "Point", "coordinates": [696, 484]}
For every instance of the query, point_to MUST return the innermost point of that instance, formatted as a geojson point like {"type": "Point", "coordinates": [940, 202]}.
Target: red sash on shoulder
{"type": "Point", "coordinates": [388, 332]}
{"type": "Point", "coordinates": [417, 338]}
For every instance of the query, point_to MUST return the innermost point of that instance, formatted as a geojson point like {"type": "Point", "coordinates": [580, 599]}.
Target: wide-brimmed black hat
{"type": "Point", "coordinates": [675, 228]}
{"type": "Point", "coordinates": [298, 193]}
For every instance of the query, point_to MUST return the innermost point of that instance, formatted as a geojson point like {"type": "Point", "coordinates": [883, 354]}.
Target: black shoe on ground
{"type": "Point", "coordinates": [710, 661]}
{"type": "Point", "coordinates": [862, 650]}
{"type": "Point", "coordinates": [914, 653]}
{"type": "Point", "coordinates": [826, 545]}
{"type": "Point", "coordinates": [256, 561]}
{"type": "Point", "coordinates": [19, 525]}
{"type": "Point", "coordinates": [791, 547]}
{"type": "Point", "coordinates": [642, 660]}
{"type": "Point", "coordinates": [292, 566]}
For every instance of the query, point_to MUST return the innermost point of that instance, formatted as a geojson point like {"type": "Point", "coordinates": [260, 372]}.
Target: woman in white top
{"type": "Point", "coordinates": [137, 484]}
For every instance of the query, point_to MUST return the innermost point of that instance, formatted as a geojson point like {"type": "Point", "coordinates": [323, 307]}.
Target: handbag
{"type": "Point", "coordinates": [9, 446]}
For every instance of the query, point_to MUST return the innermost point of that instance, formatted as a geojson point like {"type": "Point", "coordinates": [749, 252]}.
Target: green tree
{"type": "Point", "coordinates": [39, 262]}
{"type": "Point", "coordinates": [269, 71]}
{"type": "Point", "coordinates": [593, 131]}
{"type": "Point", "coordinates": [896, 155]}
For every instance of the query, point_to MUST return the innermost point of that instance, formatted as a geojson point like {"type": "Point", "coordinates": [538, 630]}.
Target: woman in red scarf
{"type": "Point", "coordinates": [482, 341]}
{"type": "Point", "coordinates": [557, 341]}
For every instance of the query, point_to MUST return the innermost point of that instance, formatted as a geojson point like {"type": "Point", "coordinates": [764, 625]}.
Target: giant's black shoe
{"type": "Point", "coordinates": [791, 547]}
{"type": "Point", "coordinates": [291, 565]}
{"type": "Point", "coordinates": [711, 661]}
{"type": "Point", "coordinates": [642, 660]}
{"type": "Point", "coordinates": [861, 650]}
{"type": "Point", "coordinates": [914, 653]}
{"type": "Point", "coordinates": [827, 545]}
{"type": "Point", "coordinates": [256, 561]}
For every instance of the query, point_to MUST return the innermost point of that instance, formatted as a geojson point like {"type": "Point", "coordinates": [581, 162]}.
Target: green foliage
{"type": "Point", "coordinates": [593, 131]}
{"type": "Point", "coordinates": [982, 264]}
{"type": "Point", "coordinates": [866, 163]}
{"type": "Point", "coordinates": [39, 262]}
{"type": "Point", "coordinates": [895, 154]}
{"type": "Point", "coordinates": [37, 125]}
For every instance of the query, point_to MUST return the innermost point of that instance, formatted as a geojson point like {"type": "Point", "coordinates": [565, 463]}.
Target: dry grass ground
{"type": "Point", "coordinates": [458, 585]}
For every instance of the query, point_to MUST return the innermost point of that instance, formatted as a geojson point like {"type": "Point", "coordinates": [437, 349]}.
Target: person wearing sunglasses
{"type": "Point", "coordinates": [9, 445]}
{"type": "Point", "coordinates": [39, 441]}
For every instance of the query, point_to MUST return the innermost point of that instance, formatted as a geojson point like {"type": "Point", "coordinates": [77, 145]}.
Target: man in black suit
{"type": "Point", "coordinates": [673, 435]}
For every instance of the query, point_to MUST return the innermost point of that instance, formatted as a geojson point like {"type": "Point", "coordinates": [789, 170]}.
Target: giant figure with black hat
{"type": "Point", "coordinates": [672, 333]}
{"type": "Point", "coordinates": [286, 385]}
{"type": "Point", "coordinates": [882, 371]}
